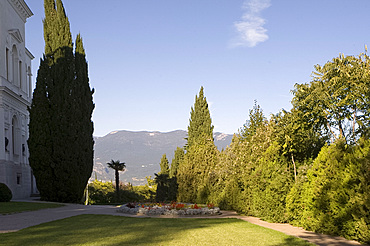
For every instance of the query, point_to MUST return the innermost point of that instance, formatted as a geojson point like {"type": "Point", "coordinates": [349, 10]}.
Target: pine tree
{"type": "Point", "coordinates": [60, 129]}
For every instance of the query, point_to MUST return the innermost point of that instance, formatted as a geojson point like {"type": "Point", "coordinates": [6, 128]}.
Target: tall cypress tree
{"type": "Point", "coordinates": [200, 124]}
{"type": "Point", "coordinates": [60, 129]}
{"type": "Point", "coordinates": [164, 165]}
{"type": "Point", "coordinates": [201, 154]}
{"type": "Point", "coordinates": [178, 157]}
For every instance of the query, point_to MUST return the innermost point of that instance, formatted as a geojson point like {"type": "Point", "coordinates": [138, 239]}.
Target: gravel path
{"type": "Point", "coordinates": [18, 221]}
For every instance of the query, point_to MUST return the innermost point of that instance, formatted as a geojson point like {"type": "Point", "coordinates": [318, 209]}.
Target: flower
{"type": "Point", "coordinates": [173, 208]}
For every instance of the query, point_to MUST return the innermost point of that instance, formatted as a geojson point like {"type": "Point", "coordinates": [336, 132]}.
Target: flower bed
{"type": "Point", "coordinates": [180, 209]}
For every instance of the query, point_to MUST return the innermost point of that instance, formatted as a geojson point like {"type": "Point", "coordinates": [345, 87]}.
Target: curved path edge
{"type": "Point", "coordinates": [18, 221]}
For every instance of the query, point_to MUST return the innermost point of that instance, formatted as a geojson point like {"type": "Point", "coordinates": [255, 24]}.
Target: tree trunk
{"type": "Point", "coordinates": [117, 185]}
{"type": "Point", "coordinates": [295, 170]}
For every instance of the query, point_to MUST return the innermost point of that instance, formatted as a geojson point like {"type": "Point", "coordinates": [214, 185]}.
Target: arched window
{"type": "Point", "coordinates": [15, 65]}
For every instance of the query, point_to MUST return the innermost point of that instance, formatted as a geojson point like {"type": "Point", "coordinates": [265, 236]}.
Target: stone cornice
{"type": "Point", "coordinates": [29, 54]}
{"type": "Point", "coordinates": [21, 8]}
{"type": "Point", "coordinates": [18, 98]}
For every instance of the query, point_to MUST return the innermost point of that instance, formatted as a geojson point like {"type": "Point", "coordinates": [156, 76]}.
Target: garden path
{"type": "Point", "coordinates": [18, 221]}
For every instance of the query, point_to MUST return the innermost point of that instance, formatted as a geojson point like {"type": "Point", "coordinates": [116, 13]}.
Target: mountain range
{"type": "Point", "coordinates": [141, 151]}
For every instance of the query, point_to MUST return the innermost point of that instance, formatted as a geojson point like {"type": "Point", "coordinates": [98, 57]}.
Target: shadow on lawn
{"type": "Point", "coordinates": [110, 230]}
{"type": "Point", "coordinates": [119, 230]}
{"type": "Point", "coordinates": [293, 241]}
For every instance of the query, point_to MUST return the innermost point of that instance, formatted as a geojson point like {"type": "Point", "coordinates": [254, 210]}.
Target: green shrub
{"type": "Point", "coordinates": [166, 188]}
{"type": "Point", "coordinates": [104, 193]}
{"type": "Point", "coordinates": [336, 194]}
{"type": "Point", "coordinates": [294, 203]}
{"type": "Point", "coordinates": [5, 193]}
{"type": "Point", "coordinates": [101, 192]}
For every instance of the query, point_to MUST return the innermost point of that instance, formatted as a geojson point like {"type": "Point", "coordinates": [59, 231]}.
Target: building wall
{"type": "Point", "coordinates": [15, 97]}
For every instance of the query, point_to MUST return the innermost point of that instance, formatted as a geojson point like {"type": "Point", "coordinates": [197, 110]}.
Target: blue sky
{"type": "Point", "coordinates": [148, 59]}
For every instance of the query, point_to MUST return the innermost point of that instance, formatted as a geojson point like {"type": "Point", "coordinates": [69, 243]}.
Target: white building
{"type": "Point", "coordinates": [15, 97]}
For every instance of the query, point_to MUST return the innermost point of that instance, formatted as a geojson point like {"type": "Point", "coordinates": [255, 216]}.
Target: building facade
{"type": "Point", "coordinates": [15, 97]}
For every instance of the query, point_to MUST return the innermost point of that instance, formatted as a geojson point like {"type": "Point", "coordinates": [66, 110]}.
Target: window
{"type": "Point", "coordinates": [19, 178]}
{"type": "Point", "coordinates": [20, 74]}
{"type": "Point", "coordinates": [15, 65]}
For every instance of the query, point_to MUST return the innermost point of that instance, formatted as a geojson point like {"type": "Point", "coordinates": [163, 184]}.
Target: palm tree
{"type": "Point", "coordinates": [117, 166]}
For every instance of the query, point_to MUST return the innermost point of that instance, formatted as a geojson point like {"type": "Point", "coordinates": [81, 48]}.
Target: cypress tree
{"type": "Point", "coordinates": [164, 165]}
{"type": "Point", "coordinates": [83, 126]}
{"type": "Point", "coordinates": [60, 129]}
{"type": "Point", "coordinates": [179, 156]}
{"type": "Point", "coordinates": [200, 124]}
{"type": "Point", "coordinates": [166, 185]}
{"type": "Point", "coordinates": [201, 154]}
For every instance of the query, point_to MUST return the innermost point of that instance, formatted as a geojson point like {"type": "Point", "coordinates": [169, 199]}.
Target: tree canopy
{"type": "Point", "coordinates": [60, 128]}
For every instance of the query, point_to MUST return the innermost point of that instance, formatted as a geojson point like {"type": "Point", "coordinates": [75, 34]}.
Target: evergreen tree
{"type": "Point", "coordinates": [200, 124]}
{"type": "Point", "coordinates": [256, 119]}
{"type": "Point", "coordinates": [164, 165]}
{"type": "Point", "coordinates": [166, 185]}
{"type": "Point", "coordinates": [201, 154]}
{"type": "Point", "coordinates": [179, 156]}
{"type": "Point", "coordinates": [60, 128]}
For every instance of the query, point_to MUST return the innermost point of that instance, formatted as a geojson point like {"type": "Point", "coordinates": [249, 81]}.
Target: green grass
{"type": "Point", "coordinates": [117, 230]}
{"type": "Point", "coordinates": [17, 207]}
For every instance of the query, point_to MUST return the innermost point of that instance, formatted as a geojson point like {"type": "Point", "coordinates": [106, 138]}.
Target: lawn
{"type": "Point", "coordinates": [118, 230]}
{"type": "Point", "coordinates": [17, 207]}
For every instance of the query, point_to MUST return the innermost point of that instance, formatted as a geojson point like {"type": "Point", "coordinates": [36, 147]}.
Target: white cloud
{"type": "Point", "coordinates": [250, 29]}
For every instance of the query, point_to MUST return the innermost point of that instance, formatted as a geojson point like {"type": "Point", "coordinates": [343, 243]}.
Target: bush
{"type": "Point", "coordinates": [5, 193]}
{"type": "Point", "coordinates": [336, 194]}
{"type": "Point", "coordinates": [101, 193]}
{"type": "Point", "coordinates": [104, 193]}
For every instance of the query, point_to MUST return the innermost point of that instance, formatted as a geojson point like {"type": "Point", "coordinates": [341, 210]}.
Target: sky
{"type": "Point", "coordinates": [148, 59]}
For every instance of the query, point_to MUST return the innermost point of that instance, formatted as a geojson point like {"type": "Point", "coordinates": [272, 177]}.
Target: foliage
{"type": "Point", "coordinates": [5, 193]}
{"type": "Point", "coordinates": [336, 194]}
{"type": "Point", "coordinates": [200, 123]}
{"type": "Point", "coordinates": [283, 169]}
{"type": "Point", "coordinates": [294, 202]}
{"type": "Point", "coordinates": [150, 181]}
{"type": "Point", "coordinates": [164, 165]}
{"type": "Point", "coordinates": [144, 193]}
{"type": "Point", "coordinates": [101, 193]}
{"type": "Point", "coordinates": [298, 140]}
{"type": "Point", "coordinates": [194, 171]}
{"type": "Point", "coordinates": [256, 119]}
{"type": "Point", "coordinates": [178, 157]}
{"type": "Point", "coordinates": [89, 230]}
{"type": "Point", "coordinates": [117, 166]}
{"type": "Point", "coordinates": [60, 128]}
{"type": "Point", "coordinates": [104, 193]}
{"type": "Point", "coordinates": [166, 188]}
{"type": "Point", "coordinates": [336, 102]}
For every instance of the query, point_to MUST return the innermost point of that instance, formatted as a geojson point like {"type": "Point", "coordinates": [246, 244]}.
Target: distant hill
{"type": "Point", "coordinates": [141, 151]}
